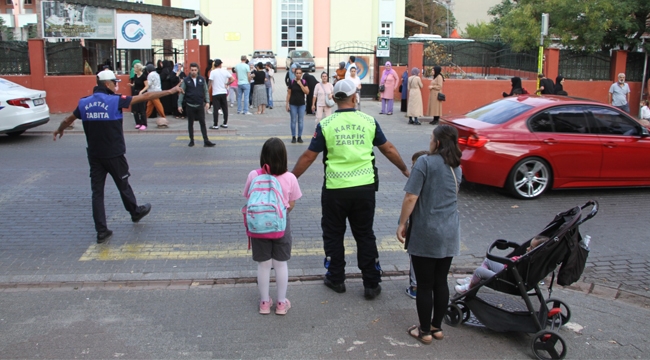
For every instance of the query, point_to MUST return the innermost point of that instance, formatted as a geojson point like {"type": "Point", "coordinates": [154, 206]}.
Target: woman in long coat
{"type": "Point", "coordinates": [435, 105]}
{"type": "Point", "coordinates": [414, 85]}
{"type": "Point", "coordinates": [390, 80]}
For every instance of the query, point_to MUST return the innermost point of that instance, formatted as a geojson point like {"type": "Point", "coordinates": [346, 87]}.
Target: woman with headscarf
{"type": "Point", "coordinates": [168, 80]}
{"type": "Point", "coordinates": [414, 85]}
{"type": "Point", "coordinates": [340, 72]}
{"type": "Point", "coordinates": [559, 86]}
{"type": "Point", "coordinates": [435, 105]}
{"type": "Point", "coordinates": [516, 87]}
{"type": "Point", "coordinates": [159, 66]}
{"type": "Point", "coordinates": [403, 89]}
{"type": "Point", "coordinates": [389, 79]}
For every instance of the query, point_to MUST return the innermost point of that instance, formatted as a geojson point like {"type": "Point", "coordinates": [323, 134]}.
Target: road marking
{"type": "Point", "coordinates": [227, 251]}
{"type": "Point", "coordinates": [235, 138]}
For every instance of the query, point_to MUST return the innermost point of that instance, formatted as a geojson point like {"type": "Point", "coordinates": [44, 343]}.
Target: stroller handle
{"type": "Point", "coordinates": [592, 213]}
{"type": "Point", "coordinates": [501, 245]}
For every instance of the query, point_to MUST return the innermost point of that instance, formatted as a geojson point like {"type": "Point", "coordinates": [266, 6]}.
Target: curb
{"type": "Point", "coordinates": [593, 289]}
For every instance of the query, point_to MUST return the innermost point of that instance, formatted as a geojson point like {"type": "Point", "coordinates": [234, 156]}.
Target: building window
{"type": "Point", "coordinates": [386, 28]}
{"type": "Point", "coordinates": [28, 2]}
{"type": "Point", "coordinates": [9, 2]}
{"type": "Point", "coordinates": [292, 24]}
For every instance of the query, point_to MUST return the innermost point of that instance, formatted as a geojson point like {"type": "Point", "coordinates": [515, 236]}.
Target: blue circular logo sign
{"type": "Point", "coordinates": [133, 31]}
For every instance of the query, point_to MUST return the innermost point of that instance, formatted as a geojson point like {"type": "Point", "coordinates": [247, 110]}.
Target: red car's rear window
{"type": "Point", "coordinates": [498, 112]}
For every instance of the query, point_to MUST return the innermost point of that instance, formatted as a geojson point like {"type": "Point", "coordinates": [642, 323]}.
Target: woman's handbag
{"type": "Point", "coordinates": [382, 88]}
{"type": "Point", "coordinates": [329, 102]}
{"type": "Point", "coordinates": [441, 97]}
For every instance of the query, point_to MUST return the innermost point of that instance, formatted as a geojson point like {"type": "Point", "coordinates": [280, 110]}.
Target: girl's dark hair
{"type": "Point", "coordinates": [274, 154]}
{"type": "Point", "coordinates": [447, 137]}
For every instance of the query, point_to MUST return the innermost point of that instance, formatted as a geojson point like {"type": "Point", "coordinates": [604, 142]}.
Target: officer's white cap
{"type": "Point", "coordinates": [106, 75]}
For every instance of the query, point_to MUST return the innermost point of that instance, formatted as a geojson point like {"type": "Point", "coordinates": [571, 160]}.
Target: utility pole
{"type": "Point", "coordinates": [543, 33]}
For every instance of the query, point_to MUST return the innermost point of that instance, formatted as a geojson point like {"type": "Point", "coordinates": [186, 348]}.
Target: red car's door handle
{"type": "Point", "coordinates": [549, 141]}
{"type": "Point", "coordinates": [609, 145]}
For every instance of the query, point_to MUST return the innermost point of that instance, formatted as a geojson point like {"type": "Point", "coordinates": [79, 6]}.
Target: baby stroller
{"type": "Point", "coordinates": [521, 277]}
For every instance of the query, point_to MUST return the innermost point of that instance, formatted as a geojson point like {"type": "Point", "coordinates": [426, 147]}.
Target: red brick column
{"type": "Point", "coordinates": [619, 64]}
{"type": "Point", "coordinates": [416, 56]}
{"type": "Point", "coordinates": [552, 64]}
{"type": "Point", "coordinates": [36, 48]}
{"type": "Point", "coordinates": [192, 54]}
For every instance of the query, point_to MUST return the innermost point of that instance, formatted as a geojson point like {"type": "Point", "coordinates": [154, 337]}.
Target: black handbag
{"type": "Point", "coordinates": [441, 97]}
{"type": "Point", "coordinates": [382, 88]}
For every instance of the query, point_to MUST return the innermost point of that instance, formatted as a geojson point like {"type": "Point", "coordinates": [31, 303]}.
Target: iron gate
{"type": "Point", "coordinates": [366, 61]}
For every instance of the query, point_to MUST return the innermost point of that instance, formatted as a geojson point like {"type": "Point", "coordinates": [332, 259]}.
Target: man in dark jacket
{"type": "Point", "coordinates": [101, 115]}
{"type": "Point", "coordinates": [546, 85]}
{"type": "Point", "coordinates": [197, 100]}
{"type": "Point", "coordinates": [311, 85]}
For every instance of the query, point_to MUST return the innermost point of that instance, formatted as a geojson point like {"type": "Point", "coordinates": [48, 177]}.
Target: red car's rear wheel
{"type": "Point", "coordinates": [529, 178]}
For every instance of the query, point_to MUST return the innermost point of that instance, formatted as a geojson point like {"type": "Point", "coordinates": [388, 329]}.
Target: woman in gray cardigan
{"type": "Point", "coordinates": [433, 236]}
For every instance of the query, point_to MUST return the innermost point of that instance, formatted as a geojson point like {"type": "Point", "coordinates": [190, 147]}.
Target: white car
{"type": "Point", "coordinates": [21, 108]}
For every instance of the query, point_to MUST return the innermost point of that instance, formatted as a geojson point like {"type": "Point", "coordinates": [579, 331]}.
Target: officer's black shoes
{"type": "Point", "coordinates": [143, 211]}
{"type": "Point", "coordinates": [339, 288]}
{"type": "Point", "coordinates": [299, 139]}
{"type": "Point", "coordinates": [208, 144]}
{"type": "Point", "coordinates": [191, 143]}
{"type": "Point", "coordinates": [371, 293]}
{"type": "Point", "coordinates": [103, 236]}
{"type": "Point", "coordinates": [293, 139]}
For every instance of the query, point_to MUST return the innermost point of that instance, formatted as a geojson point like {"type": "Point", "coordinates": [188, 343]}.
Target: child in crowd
{"type": "Point", "coordinates": [274, 253]}
{"type": "Point", "coordinates": [412, 290]}
{"type": "Point", "coordinates": [489, 268]}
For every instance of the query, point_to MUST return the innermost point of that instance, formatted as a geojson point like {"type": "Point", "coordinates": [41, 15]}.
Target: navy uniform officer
{"type": "Point", "coordinates": [101, 115]}
{"type": "Point", "coordinates": [347, 138]}
{"type": "Point", "coordinates": [195, 94]}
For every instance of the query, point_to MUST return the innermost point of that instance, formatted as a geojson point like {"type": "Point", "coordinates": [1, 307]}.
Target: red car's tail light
{"type": "Point", "coordinates": [19, 102]}
{"type": "Point", "coordinates": [473, 141]}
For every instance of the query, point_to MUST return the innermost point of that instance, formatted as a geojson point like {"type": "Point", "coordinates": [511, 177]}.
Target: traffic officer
{"type": "Point", "coordinates": [347, 138]}
{"type": "Point", "coordinates": [101, 116]}
{"type": "Point", "coordinates": [195, 94]}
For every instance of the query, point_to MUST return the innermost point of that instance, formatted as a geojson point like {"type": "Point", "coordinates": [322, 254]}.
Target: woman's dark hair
{"type": "Point", "coordinates": [274, 154]}
{"type": "Point", "coordinates": [447, 137]}
{"type": "Point", "coordinates": [437, 70]}
{"type": "Point", "coordinates": [259, 65]}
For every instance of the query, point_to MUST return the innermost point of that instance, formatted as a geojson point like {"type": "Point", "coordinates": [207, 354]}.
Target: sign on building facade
{"type": "Point", "coordinates": [133, 31]}
{"type": "Point", "coordinates": [65, 20]}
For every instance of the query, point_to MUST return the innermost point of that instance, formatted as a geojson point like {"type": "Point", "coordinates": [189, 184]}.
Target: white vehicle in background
{"type": "Point", "coordinates": [21, 108]}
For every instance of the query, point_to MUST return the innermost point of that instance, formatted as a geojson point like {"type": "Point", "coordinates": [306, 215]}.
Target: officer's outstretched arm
{"type": "Point", "coordinates": [391, 153]}
{"type": "Point", "coordinates": [154, 95]}
{"type": "Point", "coordinates": [304, 162]}
{"type": "Point", "coordinates": [64, 124]}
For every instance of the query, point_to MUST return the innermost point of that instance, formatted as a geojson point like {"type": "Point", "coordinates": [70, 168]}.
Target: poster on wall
{"type": "Point", "coordinates": [66, 20]}
{"type": "Point", "coordinates": [133, 31]}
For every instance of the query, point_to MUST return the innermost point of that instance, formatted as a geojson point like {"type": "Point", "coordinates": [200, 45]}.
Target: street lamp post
{"type": "Point", "coordinates": [446, 5]}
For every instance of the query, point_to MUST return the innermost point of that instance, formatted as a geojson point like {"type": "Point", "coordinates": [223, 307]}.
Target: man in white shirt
{"type": "Point", "coordinates": [219, 80]}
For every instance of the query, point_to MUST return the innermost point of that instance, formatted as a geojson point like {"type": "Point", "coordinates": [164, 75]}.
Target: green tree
{"type": "Point", "coordinates": [481, 31]}
{"type": "Point", "coordinates": [587, 25]}
{"type": "Point", "coordinates": [431, 13]}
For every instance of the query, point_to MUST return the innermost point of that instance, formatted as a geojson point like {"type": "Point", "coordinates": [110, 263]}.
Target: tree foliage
{"type": "Point", "coordinates": [481, 31]}
{"type": "Point", "coordinates": [431, 13]}
{"type": "Point", "coordinates": [587, 25]}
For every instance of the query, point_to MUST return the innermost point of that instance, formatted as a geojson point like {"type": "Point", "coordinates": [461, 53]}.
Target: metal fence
{"type": "Point", "coordinates": [585, 66]}
{"type": "Point", "coordinates": [399, 52]}
{"type": "Point", "coordinates": [634, 66]}
{"type": "Point", "coordinates": [14, 58]}
{"type": "Point", "coordinates": [65, 58]}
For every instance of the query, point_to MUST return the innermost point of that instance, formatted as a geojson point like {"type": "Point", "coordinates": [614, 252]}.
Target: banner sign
{"type": "Point", "coordinates": [133, 31]}
{"type": "Point", "coordinates": [65, 20]}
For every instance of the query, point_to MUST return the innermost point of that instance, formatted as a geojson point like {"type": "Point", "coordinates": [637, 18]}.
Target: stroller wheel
{"type": "Point", "coordinates": [465, 310]}
{"type": "Point", "coordinates": [563, 317]}
{"type": "Point", "coordinates": [548, 344]}
{"type": "Point", "coordinates": [454, 315]}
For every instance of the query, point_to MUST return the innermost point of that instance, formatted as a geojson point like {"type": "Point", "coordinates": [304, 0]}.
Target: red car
{"type": "Point", "coordinates": [529, 144]}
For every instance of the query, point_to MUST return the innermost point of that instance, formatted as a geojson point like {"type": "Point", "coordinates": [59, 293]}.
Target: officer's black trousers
{"type": "Point", "coordinates": [359, 209]}
{"type": "Point", "coordinates": [118, 168]}
{"type": "Point", "coordinates": [196, 114]}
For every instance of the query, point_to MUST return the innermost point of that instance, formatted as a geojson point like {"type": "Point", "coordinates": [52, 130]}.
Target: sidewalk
{"type": "Point", "coordinates": [196, 321]}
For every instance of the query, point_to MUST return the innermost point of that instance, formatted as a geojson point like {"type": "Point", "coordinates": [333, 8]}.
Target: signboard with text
{"type": "Point", "coordinates": [65, 20]}
{"type": "Point", "coordinates": [133, 31]}
{"type": "Point", "coordinates": [383, 46]}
